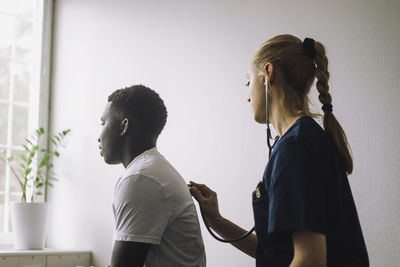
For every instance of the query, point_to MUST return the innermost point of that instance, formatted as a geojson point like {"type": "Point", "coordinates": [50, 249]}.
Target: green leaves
{"type": "Point", "coordinates": [23, 157]}
{"type": "Point", "coordinates": [35, 162]}
{"type": "Point", "coordinates": [45, 160]}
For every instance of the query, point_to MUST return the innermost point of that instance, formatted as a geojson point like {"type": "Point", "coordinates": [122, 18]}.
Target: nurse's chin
{"type": "Point", "coordinates": [260, 118]}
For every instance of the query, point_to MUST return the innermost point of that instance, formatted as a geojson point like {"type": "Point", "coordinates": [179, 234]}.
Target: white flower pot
{"type": "Point", "coordinates": [29, 222]}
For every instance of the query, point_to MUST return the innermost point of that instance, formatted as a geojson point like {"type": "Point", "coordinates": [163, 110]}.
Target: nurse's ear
{"type": "Point", "coordinates": [269, 70]}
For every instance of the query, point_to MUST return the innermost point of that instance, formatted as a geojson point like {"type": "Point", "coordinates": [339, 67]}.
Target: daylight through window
{"type": "Point", "coordinates": [21, 87]}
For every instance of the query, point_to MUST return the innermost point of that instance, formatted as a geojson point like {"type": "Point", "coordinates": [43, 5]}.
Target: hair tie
{"type": "Point", "coordinates": [309, 47]}
{"type": "Point", "coordinates": [327, 107]}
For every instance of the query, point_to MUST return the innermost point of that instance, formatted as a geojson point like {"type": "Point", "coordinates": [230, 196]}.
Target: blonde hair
{"type": "Point", "coordinates": [299, 69]}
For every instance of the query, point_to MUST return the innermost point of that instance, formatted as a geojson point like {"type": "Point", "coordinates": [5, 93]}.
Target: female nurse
{"type": "Point", "coordinates": [304, 210]}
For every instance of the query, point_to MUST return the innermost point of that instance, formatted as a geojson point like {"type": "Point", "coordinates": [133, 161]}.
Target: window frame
{"type": "Point", "coordinates": [40, 101]}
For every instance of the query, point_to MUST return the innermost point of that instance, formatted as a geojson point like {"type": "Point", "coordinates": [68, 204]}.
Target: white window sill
{"type": "Point", "coordinates": [49, 257]}
{"type": "Point", "coordinates": [6, 252]}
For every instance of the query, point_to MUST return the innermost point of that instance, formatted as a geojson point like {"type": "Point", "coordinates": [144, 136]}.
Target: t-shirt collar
{"type": "Point", "coordinates": [141, 156]}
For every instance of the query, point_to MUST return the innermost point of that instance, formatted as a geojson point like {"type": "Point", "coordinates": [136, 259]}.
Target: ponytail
{"type": "Point", "coordinates": [300, 62]}
{"type": "Point", "coordinates": [330, 123]}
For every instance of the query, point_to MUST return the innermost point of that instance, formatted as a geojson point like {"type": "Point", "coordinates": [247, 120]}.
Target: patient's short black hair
{"type": "Point", "coordinates": [141, 104]}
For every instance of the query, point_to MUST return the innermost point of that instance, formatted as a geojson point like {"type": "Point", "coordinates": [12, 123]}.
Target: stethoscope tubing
{"type": "Point", "coordinates": [270, 147]}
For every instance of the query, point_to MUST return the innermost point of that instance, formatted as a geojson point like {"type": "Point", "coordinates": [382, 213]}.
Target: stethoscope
{"type": "Point", "coordinates": [270, 147]}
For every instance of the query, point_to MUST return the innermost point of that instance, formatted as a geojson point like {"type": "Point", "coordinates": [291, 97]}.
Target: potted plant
{"type": "Point", "coordinates": [33, 170]}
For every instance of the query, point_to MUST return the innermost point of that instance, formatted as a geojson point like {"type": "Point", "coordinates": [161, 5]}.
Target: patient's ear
{"type": "Point", "coordinates": [124, 127]}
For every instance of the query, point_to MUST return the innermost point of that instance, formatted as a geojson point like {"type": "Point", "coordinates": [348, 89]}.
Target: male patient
{"type": "Point", "coordinates": [155, 218]}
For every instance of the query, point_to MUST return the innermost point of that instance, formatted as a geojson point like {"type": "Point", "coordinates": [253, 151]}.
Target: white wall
{"type": "Point", "coordinates": [195, 54]}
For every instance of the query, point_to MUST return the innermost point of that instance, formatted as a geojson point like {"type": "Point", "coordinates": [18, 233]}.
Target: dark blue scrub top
{"type": "Point", "coordinates": [305, 187]}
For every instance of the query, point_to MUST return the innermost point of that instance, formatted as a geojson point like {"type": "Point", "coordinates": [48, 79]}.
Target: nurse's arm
{"type": "Point", "coordinates": [129, 254]}
{"type": "Point", "coordinates": [228, 230]}
{"type": "Point", "coordinates": [208, 202]}
{"type": "Point", "coordinates": [309, 249]}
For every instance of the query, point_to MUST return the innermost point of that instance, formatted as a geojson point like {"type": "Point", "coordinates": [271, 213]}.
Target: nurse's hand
{"type": "Point", "coordinates": [208, 202]}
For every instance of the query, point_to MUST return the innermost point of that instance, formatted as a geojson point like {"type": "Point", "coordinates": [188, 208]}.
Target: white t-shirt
{"type": "Point", "coordinates": [152, 204]}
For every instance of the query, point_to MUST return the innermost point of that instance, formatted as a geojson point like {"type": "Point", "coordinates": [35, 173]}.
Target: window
{"type": "Point", "coordinates": [24, 82]}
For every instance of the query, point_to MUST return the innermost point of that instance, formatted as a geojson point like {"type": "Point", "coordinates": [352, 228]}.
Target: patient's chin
{"type": "Point", "coordinates": [111, 161]}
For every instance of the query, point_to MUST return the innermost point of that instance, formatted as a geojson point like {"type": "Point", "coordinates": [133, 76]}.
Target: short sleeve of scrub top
{"type": "Point", "coordinates": [296, 189]}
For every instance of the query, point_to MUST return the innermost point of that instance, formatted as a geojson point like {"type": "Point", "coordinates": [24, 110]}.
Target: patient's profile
{"type": "Point", "coordinates": [155, 218]}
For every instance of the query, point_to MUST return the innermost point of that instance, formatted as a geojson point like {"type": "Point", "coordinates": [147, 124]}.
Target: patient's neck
{"type": "Point", "coordinates": [131, 151]}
